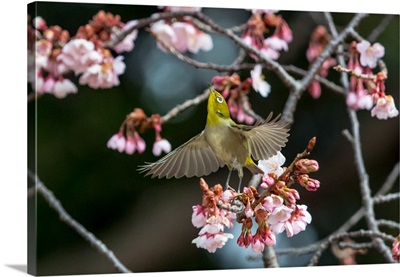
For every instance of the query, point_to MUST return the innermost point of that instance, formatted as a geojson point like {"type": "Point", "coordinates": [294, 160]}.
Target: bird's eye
{"type": "Point", "coordinates": [220, 99]}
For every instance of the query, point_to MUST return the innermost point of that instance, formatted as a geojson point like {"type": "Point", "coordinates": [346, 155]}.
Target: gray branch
{"type": "Point", "coordinates": [65, 217]}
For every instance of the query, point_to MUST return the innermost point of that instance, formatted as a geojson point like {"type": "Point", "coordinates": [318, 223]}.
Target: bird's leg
{"type": "Point", "coordinates": [227, 180]}
{"type": "Point", "coordinates": [240, 183]}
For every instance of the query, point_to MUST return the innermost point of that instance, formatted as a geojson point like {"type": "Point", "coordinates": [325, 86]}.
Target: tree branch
{"type": "Point", "coordinates": [296, 93]}
{"type": "Point", "coordinates": [64, 216]}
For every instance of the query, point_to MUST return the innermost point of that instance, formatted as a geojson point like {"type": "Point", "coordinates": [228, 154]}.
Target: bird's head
{"type": "Point", "coordinates": [217, 107]}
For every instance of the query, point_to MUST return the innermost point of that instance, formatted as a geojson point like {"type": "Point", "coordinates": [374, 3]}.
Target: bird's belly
{"type": "Point", "coordinates": [228, 146]}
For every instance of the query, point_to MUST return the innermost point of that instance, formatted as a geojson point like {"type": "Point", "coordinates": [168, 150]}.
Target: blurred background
{"type": "Point", "coordinates": [147, 222]}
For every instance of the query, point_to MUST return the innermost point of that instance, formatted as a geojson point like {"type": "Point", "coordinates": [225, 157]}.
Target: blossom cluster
{"type": "Point", "coordinates": [181, 33]}
{"type": "Point", "coordinates": [367, 91]}
{"type": "Point", "coordinates": [259, 25]}
{"type": "Point", "coordinates": [233, 89]}
{"type": "Point", "coordinates": [128, 140]}
{"type": "Point", "coordinates": [273, 208]}
{"type": "Point", "coordinates": [53, 55]}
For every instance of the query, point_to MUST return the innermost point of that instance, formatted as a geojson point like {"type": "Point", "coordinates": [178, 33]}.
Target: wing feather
{"type": "Point", "coordinates": [193, 158]}
{"type": "Point", "coordinates": [266, 139]}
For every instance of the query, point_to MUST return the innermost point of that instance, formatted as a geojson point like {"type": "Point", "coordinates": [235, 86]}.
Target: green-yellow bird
{"type": "Point", "coordinates": [222, 142]}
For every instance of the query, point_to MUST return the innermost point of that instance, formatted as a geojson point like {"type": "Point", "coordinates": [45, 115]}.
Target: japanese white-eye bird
{"type": "Point", "coordinates": [222, 142]}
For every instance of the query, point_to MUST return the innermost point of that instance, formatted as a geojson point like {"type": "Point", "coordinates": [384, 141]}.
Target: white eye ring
{"type": "Point", "coordinates": [219, 99]}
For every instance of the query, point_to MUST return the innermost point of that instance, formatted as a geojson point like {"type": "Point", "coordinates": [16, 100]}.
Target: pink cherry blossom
{"type": "Point", "coordinates": [273, 164]}
{"type": "Point", "coordinates": [359, 100]}
{"type": "Point", "coordinates": [369, 55]}
{"type": "Point", "coordinates": [161, 145]}
{"type": "Point", "coordinates": [39, 23]}
{"type": "Point", "coordinates": [199, 216]}
{"type": "Point", "coordinates": [79, 55]}
{"type": "Point", "coordinates": [300, 218]}
{"type": "Point", "coordinates": [248, 211]}
{"type": "Point", "coordinates": [242, 116]}
{"type": "Point", "coordinates": [103, 75]}
{"type": "Point", "coordinates": [278, 218]}
{"type": "Point", "coordinates": [276, 43]}
{"type": "Point", "coordinates": [385, 108]}
{"type": "Point", "coordinates": [117, 142]}
{"type": "Point", "coordinates": [164, 32]}
{"type": "Point", "coordinates": [257, 244]}
{"type": "Point", "coordinates": [228, 195]}
{"type": "Point", "coordinates": [130, 146]}
{"type": "Point", "coordinates": [271, 202]}
{"type": "Point", "coordinates": [211, 242]}
{"type": "Point", "coordinates": [188, 38]}
{"type": "Point", "coordinates": [269, 52]}
{"type": "Point", "coordinates": [48, 85]}
{"type": "Point", "coordinates": [211, 237]}
{"type": "Point", "coordinates": [127, 43]}
{"type": "Point", "coordinates": [63, 86]}
{"type": "Point", "coordinates": [257, 81]}
{"type": "Point", "coordinates": [140, 143]}
{"type": "Point", "coordinates": [184, 32]}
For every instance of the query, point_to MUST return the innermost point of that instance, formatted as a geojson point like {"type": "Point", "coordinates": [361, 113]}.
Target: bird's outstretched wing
{"type": "Point", "coordinates": [267, 138]}
{"type": "Point", "coordinates": [193, 158]}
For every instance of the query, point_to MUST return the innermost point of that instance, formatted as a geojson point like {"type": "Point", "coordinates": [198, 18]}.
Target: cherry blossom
{"type": "Point", "coordinates": [369, 55]}
{"type": "Point", "coordinates": [211, 242]}
{"type": "Point", "coordinates": [117, 142]}
{"type": "Point", "coordinates": [127, 43]}
{"type": "Point", "coordinates": [62, 87]}
{"type": "Point", "coordinates": [104, 75]}
{"type": "Point", "coordinates": [79, 55]}
{"type": "Point", "coordinates": [258, 82]}
{"type": "Point", "coordinates": [273, 164]}
{"type": "Point", "coordinates": [161, 145]}
{"type": "Point", "coordinates": [300, 218]}
{"type": "Point", "coordinates": [385, 108]}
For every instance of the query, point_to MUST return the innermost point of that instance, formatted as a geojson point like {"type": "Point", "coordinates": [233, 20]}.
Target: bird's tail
{"type": "Point", "coordinates": [254, 169]}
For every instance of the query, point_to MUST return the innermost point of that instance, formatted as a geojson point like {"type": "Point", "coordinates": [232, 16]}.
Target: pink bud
{"type": "Point", "coordinates": [307, 166]}
{"type": "Point", "coordinates": [140, 143]}
{"type": "Point", "coordinates": [130, 146]}
{"type": "Point", "coordinates": [307, 182]}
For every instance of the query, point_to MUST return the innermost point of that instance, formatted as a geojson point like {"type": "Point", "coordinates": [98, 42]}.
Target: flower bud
{"type": "Point", "coordinates": [311, 144]}
{"type": "Point", "coordinates": [307, 182]}
{"type": "Point", "coordinates": [306, 166]}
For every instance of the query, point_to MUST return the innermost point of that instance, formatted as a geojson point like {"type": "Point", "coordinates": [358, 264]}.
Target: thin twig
{"type": "Point", "coordinates": [197, 64]}
{"type": "Point", "coordinates": [352, 72]}
{"type": "Point", "coordinates": [360, 233]}
{"type": "Point", "coordinates": [277, 68]}
{"type": "Point", "coordinates": [352, 221]}
{"type": "Point", "coordinates": [389, 223]}
{"type": "Point", "coordinates": [386, 198]}
{"type": "Point", "coordinates": [328, 84]}
{"type": "Point", "coordinates": [248, 110]}
{"type": "Point", "coordinates": [355, 245]}
{"type": "Point", "coordinates": [185, 105]}
{"type": "Point", "coordinates": [376, 32]}
{"type": "Point", "coordinates": [301, 85]}
{"type": "Point", "coordinates": [355, 141]}
{"type": "Point", "coordinates": [64, 216]}
{"type": "Point", "coordinates": [365, 187]}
